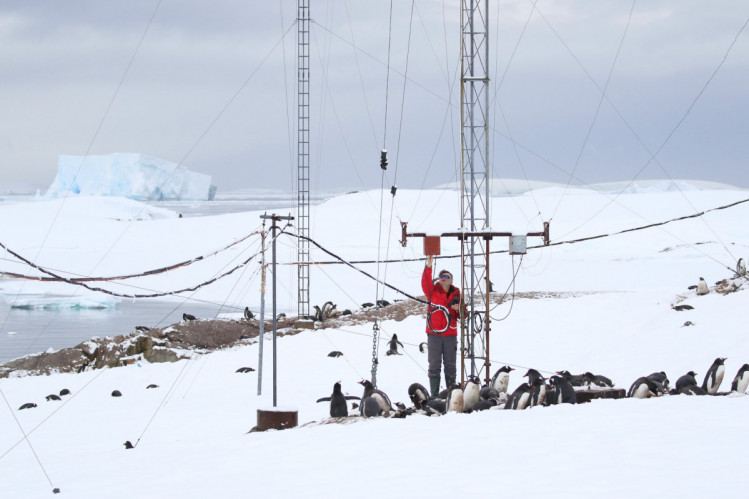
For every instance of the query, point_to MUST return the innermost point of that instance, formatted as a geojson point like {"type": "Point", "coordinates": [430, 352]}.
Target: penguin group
{"type": "Point", "coordinates": [329, 310]}
{"type": "Point", "coordinates": [52, 397]}
{"type": "Point", "coordinates": [536, 390]}
{"type": "Point", "coordinates": [657, 384]}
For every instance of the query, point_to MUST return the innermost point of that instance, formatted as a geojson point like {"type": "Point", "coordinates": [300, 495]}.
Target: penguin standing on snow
{"type": "Point", "coordinates": [338, 405]}
{"type": "Point", "coordinates": [741, 381]}
{"type": "Point", "coordinates": [741, 268]}
{"type": "Point", "coordinates": [370, 407]}
{"type": "Point", "coordinates": [501, 379]}
{"type": "Point", "coordinates": [538, 388]}
{"type": "Point", "coordinates": [563, 392]}
{"type": "Point", "coordinates": [471, 393]}
{"type": "Point", "coordinates": [248, 313]}
{"type": "Point", "coordinates": [318, 314]}
{"type": "Point", "coordinates": [643, 388]}
{"type": "Point", "coordinates": [714, 376]}
{"type": "Point", "coordinates": [702, 288]}
{"type": "Point", "coordinates": [382, 399]}
{"type": "Point", "coordinates": [687, 380]}
{"type": "Point", "coordinates": [519, 398]}
{"type": "Point", "coordinates": [454, 401]}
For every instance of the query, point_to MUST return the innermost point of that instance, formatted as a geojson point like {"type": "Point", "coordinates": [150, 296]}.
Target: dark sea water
{"type": "Point", "coordinates": [27, 331]}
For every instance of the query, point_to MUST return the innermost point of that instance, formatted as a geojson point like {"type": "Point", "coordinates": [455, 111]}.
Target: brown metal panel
{"type": "Point", "coordinates": [432, 245]}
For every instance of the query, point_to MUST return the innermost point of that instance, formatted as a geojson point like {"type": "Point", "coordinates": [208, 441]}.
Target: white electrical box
{"type": "Point", "coordinates": [518, 245]}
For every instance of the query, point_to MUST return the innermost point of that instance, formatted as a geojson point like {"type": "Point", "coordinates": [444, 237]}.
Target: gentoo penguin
{"type": "Point", "coordinates": [382, 399]}
{"type": "Point", "coordinates": [418, 394]}
{"type": "Point", "coordinates": [318, 314]}
{"type": "Point", "coordinates": [248, 313]}
{"type": "Point", "coordinates": [689, 390]}
{"type": "Point", "coordinates": [741, 381]}
{"type": "Point", "coordinates": [334, 312]}
{"type": "Point", "coordinates": [326, 308]}
{"type": "Point", "coordinates": [370, 407]}
{"type": "Point", "coordinates": [128, 444]}
{"type": "Point", "coordinates": [598, 380]}
{"type": "Point", "coordinates": [367, 305]}
{"type": "Point", "coordinates": [52, 396]}
{"type": "Point", "coordinates": [64, 392]}
{"type": "Point", "coordinates": [382, 303]}
{"type": "Point", "coordinates": [244, 370]}
{"type": "Point", "coordinates": [423, 347]}
{"type": "Point", "coordinates": [483, 405]}
{"type": "Point", "coordinates": [519, 398]}
{"type": "Point", "coordinates": [487, 392]}
{"type": "Point", "coordinates": [702, 288]}
{"type": "Point", "coordinates": [537, 394]}
{"type": "Point", "coordinates": [27, 405]}
{"type": "Point", "coordinates": [661, 379]}
{"type": "Point", "coordinates": [741, 268]}
{"type": "Point", "coordinates": [335, 353]}
{"type": "Point", "coordinates": [434, 407]}
{"type": "Point", "coordinates": [714, 376]}
{"type": "Point", "coordinates": [643, 388]}
{"type": "Point", "coordinates": [117, 393]}
{"type": "Point", "coordinates": [393, 345]}
{"type": "Point", "coordinates": [142, 329]}
{"type": "Point", "coordinates": [563, 392]}
{"type": "Point", "coordinates": [151, 386]}
{"type": "Point", "coordinates": [188, 317]}
{"type": "Point", "coordinates": [501, 379]}
{"type": "Point", "coordinates": [687, 380]}
{"type": "Point", "coordinates": [281, 317]}
{"type": "Point", "coordinates": [681, 308]}
{"type": "Point", "coordinates": [573, 379]}
{"type": "Point", "coordinates": [454, 401]}
{"type": "Point", "coordinates": [471, 393]}
{"type": "Point", "coordinates": [338, 404]}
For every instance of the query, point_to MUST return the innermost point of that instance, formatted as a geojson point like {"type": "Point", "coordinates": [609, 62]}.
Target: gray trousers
{"type": "Point", "coordinates": [442, 349]}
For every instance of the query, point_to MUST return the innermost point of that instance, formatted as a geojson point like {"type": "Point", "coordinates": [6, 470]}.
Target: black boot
{"type": "Point", "coordinates": [450, 380]}
{"type": "Point", "coordinates": [434, 385]}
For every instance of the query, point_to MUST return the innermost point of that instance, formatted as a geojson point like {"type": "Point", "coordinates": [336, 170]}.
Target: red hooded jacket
{"type": "Point", "coordinates": [437, 295]}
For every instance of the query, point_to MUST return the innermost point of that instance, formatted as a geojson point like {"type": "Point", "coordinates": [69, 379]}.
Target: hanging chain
{"type": "Point", "coordinates": [375, 338]}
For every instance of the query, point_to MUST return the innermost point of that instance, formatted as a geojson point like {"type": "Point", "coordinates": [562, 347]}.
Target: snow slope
{"type": "Point", "coordinates": [602, 306]}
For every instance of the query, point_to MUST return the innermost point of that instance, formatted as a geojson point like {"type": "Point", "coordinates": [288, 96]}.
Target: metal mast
{"type": "Point", "coordinates": [474, 137]}
{"type": "Point", "coordinates": [303, 267]}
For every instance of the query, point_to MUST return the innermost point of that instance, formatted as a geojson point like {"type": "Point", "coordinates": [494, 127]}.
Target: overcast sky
{"type": "Point", "coordinates": [213, 85]}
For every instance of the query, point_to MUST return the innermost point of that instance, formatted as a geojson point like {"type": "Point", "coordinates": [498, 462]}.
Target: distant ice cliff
{"type": "Point", "coordinates": [131, 175]}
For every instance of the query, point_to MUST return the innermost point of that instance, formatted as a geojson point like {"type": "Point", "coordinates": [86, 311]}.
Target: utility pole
{"type": "Point", "coordinates": [274, 218]}
{"type": "Point", "coordinates": [261, 332]}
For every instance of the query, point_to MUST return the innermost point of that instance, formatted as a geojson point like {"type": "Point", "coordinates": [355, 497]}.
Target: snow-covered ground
{"type": "Point", "coordinates": [602, 305]}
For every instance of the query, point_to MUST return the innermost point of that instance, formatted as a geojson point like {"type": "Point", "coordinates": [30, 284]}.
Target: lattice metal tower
{"type": "Point", "coordinates": [474, 137]}
{"type": "Point", "coordinates": [303, 77]}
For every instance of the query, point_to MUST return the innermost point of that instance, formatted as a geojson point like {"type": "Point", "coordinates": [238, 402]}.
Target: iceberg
{"type": "Point", "coordinates": [131, 175]}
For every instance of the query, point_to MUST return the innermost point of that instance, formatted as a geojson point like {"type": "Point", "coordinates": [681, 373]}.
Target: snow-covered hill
{"type": "Point", "coordinates": [602, 305]}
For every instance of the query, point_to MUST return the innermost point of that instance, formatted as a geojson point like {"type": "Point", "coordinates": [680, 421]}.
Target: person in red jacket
{"type": "Point", "coordinates": [442, 336]}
